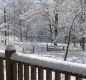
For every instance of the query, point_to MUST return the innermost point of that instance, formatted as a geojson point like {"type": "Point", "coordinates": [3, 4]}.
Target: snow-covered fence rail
{"type": "Point", "coordinates": [58, 47]}
{"type": "Point", "coordinates": [34, 67]}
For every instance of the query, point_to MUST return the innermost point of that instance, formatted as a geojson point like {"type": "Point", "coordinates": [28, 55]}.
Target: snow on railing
{"type": "Point", "coordinates": [2, 53]}
{"type": "Point", "coordinates": [27, 66]}
{"type": "Point", "coordinates": [50, 63]}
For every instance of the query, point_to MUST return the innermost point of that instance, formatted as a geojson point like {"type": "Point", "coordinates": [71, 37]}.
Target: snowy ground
{"type": "Point", "coordinates": [75, 53]}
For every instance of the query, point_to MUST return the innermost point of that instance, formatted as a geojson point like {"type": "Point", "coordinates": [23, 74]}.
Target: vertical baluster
{"type": "Point", "coordinates": [33, 73]}
{"type": "Point", "coordinates": [20, 71]}
{"type": "Point", "coordinates": [78, 78]}
{"type": "Point", "coordinates": [14, 70]}
{"type": "Point", "coordinates": [1, 69]}
{"type": "Point", "coordinates": [40, 74]}
{"type": "Point", "coordinates": [26, 72]}
{"type": "Point", "coordinates": [57, 75]}
{"type": "Point", "coordinates": [48, 74]}
{"type": "Point", "coordinates": [67, 77]}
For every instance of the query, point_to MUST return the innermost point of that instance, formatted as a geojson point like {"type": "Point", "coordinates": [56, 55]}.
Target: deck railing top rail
{"type": "Point", "coordinates": [50, 63]}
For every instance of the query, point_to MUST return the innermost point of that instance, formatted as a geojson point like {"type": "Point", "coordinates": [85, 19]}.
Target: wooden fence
{"type": "Point", "coordinates": [17, 70]}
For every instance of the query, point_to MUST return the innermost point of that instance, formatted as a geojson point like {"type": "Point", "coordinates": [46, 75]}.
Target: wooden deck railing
{"type": "Point", "coordinates": [21, 70]}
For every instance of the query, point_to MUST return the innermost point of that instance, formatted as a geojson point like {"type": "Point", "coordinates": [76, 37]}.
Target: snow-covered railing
{"type": "Point", "coordinates": [2, 54]}
{"type": "Point", "coordinates": [34, 67]}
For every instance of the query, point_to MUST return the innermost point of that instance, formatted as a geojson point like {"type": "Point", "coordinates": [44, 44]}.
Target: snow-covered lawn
{"type": "Point", "coordinates": [75, 53]}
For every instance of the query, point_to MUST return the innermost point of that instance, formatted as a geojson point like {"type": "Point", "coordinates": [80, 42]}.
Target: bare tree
{"type": "Point", "coordinates": [70, 35]}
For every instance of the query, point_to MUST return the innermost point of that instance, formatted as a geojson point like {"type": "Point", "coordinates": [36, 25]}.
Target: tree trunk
{"type": "Point", "coordinates": [14, 27]}
{"type": "Point", "coordinates": [69, 38]}
{"type": "Point", "coordinates": [20, 30]}
{"type": "Point", "coordinates": [5, 33]}
{"type": "Point", "coordinates": [51, 33]}
{"type": "Point", "coordinates": [67, 45]}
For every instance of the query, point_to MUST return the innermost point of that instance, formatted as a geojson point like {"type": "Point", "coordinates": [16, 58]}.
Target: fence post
{"type": "Point", "coordinates": [47, 47]}
{"type": "Point", "coordinates": [33, 49]}
{"type": "Point", "coordinates": [10, 49]}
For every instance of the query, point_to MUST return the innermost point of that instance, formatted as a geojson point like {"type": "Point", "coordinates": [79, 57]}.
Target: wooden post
{"type": "Point", "coordinates": [47, 47]}
{"type": "Point", "coordinates": [67, 77]}
{"type": "Point", "coordinates": [63, 48]}
{"type": "Point", "coordinates": [20, 71]}
{"type": "Point", "coordinates": [78, 78]}
{"type": "Point", "coordinates": [33, 49]}
{"type": "Point", "coordinates": [57, 75]}
{"type": "Point", "coordinates": [40, 74]}
{"type": "Point", "coordinates": [48, 74]}
{"type": "Point", "coordinates": [26, 72]}
{"type": "Point", "coordinates": [10, 49]}
{"type": "Point", "coordinates": [1, 69]}
{"type": "Point", "coordinates": [14, 70]}
{"type": "Point", "coordinates": [33, 73]}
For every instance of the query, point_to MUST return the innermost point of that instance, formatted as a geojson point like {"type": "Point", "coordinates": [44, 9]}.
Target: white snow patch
{"type": "Point", "coordinates": [2, 53]}
{"type": "Point", "coordinates": [11, 47]}
{"type": "Point", "coordinates": [50, 63]}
